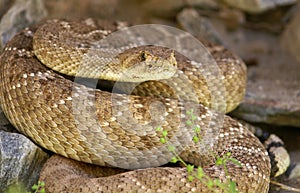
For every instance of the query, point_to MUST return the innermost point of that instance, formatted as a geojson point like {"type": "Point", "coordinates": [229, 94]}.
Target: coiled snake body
{"type": "Point", "coordinates": [119, 130]}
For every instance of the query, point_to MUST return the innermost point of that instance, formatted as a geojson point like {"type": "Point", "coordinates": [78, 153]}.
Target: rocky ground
{"type": "Point", "coordinates": [264, 33]}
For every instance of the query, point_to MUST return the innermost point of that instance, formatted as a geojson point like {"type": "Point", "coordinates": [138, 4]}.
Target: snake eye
{"type": "Point", "coordinates": [143, 56]}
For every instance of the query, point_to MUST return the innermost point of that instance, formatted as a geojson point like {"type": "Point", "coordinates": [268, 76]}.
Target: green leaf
{"type": "Point", "coordinates": [193, 117]}
{"type": "Point", "coordinates": [188, 123]}
{"type": "Point", "coordinates": [190, 168]}
{"type": "Point", "coordinates": [235, 161]}
{"type": "Point", "coordinates": [34, 187]}
{"type": "Point", "coordinates": [217, 182]}
{"type": "Point", "coordinates": [42, 183]}
{"type": "Point", "coordinates": [200, 173]}
{"type": "Point", "coordinates": [190, 178]}
{"type": "Point", "coordinates": [228, 154]}
{"type": "Point", "coordinates": [174, 160]}
{"type": "Point", "coordinates": [195, 139]}
{"type": "Point", "coordinates": [197, 129]}
{"type": "Point", "coordinates": [232, 187]}
{"type": "Point", "coordinates": [219, 162]}
{"type": "Point", "coordinates": [162, 140]}
{"type": "Point", "coordinates": [189, 112]}
{"type": "Point", "coordinates": [210, 183]}
{"type": "Point", "coordinates": [165, 133]}
{"type": "Point", "coordinates": [158, 128]}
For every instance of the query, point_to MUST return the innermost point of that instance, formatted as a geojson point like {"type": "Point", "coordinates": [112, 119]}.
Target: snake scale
{"type": "Point", "coordinates": [119, 130]}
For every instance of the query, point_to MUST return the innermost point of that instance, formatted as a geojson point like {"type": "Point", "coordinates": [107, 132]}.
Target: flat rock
{"type": "Point", "coordinates": [256, 6]}
{"type": "Point", "coordinates": [273, 95]}
{"type": "Point", "coordinates": [273, 87]}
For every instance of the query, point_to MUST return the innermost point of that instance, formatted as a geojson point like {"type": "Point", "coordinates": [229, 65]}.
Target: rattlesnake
{"type": "Point", "coordinates": [120, 130]}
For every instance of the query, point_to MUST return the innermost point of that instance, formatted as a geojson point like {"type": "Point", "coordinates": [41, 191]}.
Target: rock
{"type": "Point", "coordinates": [288, 182]}
{"type": "Point", "coordinates": [165, 8]}
{"type": "Point", "coordinates": [273, 92]}
{"type": "Point", "coordinates": [170, 8]}
{"type": "Point", "coordinates": [291, 35]}
{"type": "Point", "coordinates": [20, 15]}
{"type": "Point", "coordinates": [201, 3]}
{"type": "Point", "coordinates": [74, 9]}
{"type": "Point", "coordinates": [199, 26]}
{"type": "Point", "coordinates": [4, 5]}
{"type": "Point", "coordinates": [20, 161]}
{"type": "Point", "coordinates": [295, 172]}
{"type": "Point", "coordinates": [257, 6]}
{"type": "Point", "coordinates": [273, 86]}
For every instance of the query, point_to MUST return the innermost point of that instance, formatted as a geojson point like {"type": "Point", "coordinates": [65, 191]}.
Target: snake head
{"type": "Point", "coordinates": [147, 63]}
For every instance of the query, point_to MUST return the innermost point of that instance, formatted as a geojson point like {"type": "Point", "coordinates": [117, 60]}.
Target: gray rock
{"type": "Point", "coordinates": [4, 5]}
{"type": "Point", "coordinates": [273, 88]}
{"type": "Point", "coordinates": [256, 6]}
{"type": "Point", "coordinates": [20, 15]}
{"type": "Point", "coordinates": [295, 172]}
{"type": "Point", "coordinates": [170, 7]}
{"type": "Point", "coordinates": [289, 182]}
{"type": "Point", "coordinates": [291, 35]}
{"type": "Point", "coordinates": [20, 161]}
{"type": "Point", "coordinates": [199, 26]}
{"type": "Point", "coordinates": [201, 3]}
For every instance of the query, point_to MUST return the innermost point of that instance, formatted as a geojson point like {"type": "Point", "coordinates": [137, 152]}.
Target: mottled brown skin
{"type": "Point", "coordinates": [58, 115]}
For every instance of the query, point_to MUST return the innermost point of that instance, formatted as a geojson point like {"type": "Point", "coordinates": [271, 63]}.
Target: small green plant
{"type": "Point", "coordinates": [38, 188]}
{"type": "Point", "coordinates": [19, 187]}
{"type": "Point", "coordinates": [213, 184]}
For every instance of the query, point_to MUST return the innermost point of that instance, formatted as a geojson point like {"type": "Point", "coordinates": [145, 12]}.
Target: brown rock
{"type": "Point", "coordinates": [256, 6]}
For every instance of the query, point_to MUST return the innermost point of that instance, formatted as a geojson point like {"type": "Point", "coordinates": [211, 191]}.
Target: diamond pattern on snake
{"type": "Point", "coordinates": [108, 141]}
